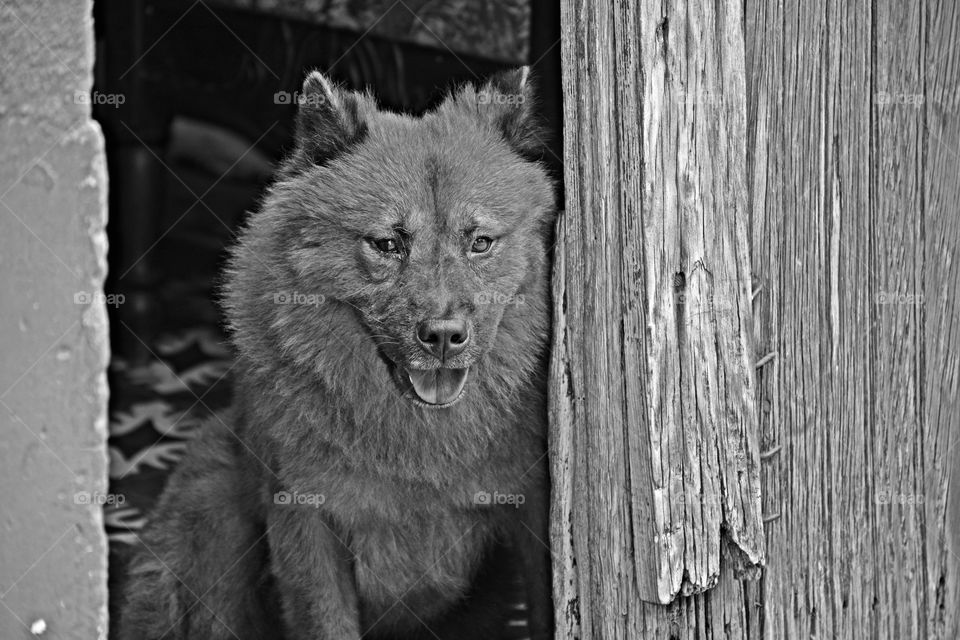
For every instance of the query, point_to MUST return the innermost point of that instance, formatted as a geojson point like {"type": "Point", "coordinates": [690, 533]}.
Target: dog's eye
{"type": "Point", "coordinates": [386, 245]}
{"type": "Point", "coordinates": [481, 244]}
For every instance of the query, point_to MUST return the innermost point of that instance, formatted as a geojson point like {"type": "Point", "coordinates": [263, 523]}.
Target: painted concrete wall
{"type": "Point", "coordinates": [53, 337]}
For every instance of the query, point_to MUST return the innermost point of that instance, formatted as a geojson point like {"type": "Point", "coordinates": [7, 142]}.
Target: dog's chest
{"type": "Point", "coordinates": [420, 564]}
{"type": "Point", "coordinates": [412, 542]}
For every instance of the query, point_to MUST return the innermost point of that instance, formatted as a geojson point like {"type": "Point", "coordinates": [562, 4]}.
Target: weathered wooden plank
{"type": "Point", "coordinates": [854, 192]}
{"type": "Point", "coordinates": [941, 359]}
{"type": "Point", "coordinates": [854, 220]}
{"type": "Point", "coordinates": [697, 284]}
{"type": "Point", "coordinates": [894, 513]}
{"type": "Point", "coordinates": [655, 454]}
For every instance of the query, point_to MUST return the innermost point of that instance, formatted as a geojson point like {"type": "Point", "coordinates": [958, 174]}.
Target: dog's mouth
{"type": "Point", "coordinates": [438, 387]}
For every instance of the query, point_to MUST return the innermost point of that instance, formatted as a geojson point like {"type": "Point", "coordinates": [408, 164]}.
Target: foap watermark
{"type": "Point", "coordinates": [297, 298]}
{"type": "Point", "coordinates": [884, 98]}
{"type": "Point", "coordinates": [892, 297]}
{"type": "Point", "coordinates": [495, 97]}
{"type": "Point", "coordinates": [485, 498]}
{"type": "Point", "coordinates": [298, 98]}
{"type": "Point", "coordinates": [696, 499]}
{"type": "Point", "coordinates": [697, 97]}
{"type": "Point", "coordinates": [294, 498]}
{"type": "Point", "coordinates": [99, 498]}
{"type": "Point", "coordinates": [703, 300]}
{"type": "Point", "coordinates": [704, 308]}
{"type": "Point", "coordinates": [97, 98]}
{"type": "Point", "coordinates": [503, 299]}
{"type": "Point", "coordinates": [885, 496]}
{"type": "Point", "coordinates": [99, 297]}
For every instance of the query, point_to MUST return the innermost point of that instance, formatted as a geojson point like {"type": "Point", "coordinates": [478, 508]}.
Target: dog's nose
{"type": "Point", "coordinates": [443, 338]}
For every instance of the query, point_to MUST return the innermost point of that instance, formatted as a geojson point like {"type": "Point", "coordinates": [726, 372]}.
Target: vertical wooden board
{"type": "Point", "coordinates": [765, 44]}
{"type": "Point", "coordinates": [787, 131]}
{"type": "Point", "coordinates": [566, 581]}
{"type": "Point", "coordinates": [845, 241]}
{"type": "Point", "coordinates": [895, 261]}
{"type": "Point", "coordinates": [941, 237]}
{"type": "Point", "coordinates": [695, 283]}
{"type": "Point", "coordinates": [850, 240]}
{"type": "Point", "coordinates": [600, 504]}
{"type": "Point", "coordinates": [605, 481]}
{"type": "Point", "coordinates": [655, 452]}
{"type": "Point", "coordinates": [647, 514]}
{"type": "Point", "coordinates": [693, 202]}
{"type": "Point", "coordinates": [814, 247]}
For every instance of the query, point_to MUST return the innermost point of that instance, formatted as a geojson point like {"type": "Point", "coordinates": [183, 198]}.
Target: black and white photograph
{"type": "Point", "coordinates": [479, 320]}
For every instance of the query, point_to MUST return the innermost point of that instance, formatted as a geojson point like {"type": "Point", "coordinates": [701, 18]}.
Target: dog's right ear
{"type": "Point", "coordinates": [507, 100]}
{"type": "Point", "coordinates": [330, 120]}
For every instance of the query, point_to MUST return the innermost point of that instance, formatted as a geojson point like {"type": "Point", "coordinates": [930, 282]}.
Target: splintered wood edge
{"type": "Point", "coordinates": [560, 410]}
{"type": "Point", "coordinates": [702, 421]}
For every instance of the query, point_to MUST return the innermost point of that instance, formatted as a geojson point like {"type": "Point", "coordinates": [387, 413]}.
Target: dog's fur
{"type": "Point", "coordinates": [400, 546]}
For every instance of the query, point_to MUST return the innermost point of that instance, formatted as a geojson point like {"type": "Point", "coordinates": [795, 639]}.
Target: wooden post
{"type": "Point", "coordinates": [817, 147]}
{"type": "Point", "coordinates": [655, 452]}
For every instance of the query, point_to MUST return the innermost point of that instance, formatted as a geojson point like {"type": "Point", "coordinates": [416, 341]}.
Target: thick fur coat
{"type": "Point", "coordinates": [341, 499]}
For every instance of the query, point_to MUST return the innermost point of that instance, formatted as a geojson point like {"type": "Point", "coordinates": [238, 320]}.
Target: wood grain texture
{"type": "Point", "coordinates": [852, 188]}
{"type": "Point", "coordinates": [854, 225]}
{"type": "Point", "coordinates": [941, 238]}
{"type": "Point", "coordinates": [656, 459]}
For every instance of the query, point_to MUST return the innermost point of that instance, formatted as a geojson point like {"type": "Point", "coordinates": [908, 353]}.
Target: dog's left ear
{"type": "Point", "coordinates": [508, 101]}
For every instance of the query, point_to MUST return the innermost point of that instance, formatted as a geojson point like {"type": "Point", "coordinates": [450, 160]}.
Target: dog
{"type": "Point", "coordinates": [383, 471]}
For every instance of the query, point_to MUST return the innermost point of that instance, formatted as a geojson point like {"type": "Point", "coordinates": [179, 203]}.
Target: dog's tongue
{"type": "Point", "coordinates": [438, 386]}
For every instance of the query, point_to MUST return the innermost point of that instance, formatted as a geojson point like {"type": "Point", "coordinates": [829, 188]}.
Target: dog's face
{"type": "Point", "coordinates": [442, 253]}
{"type": "Point", "coordinates": [428, 228]}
